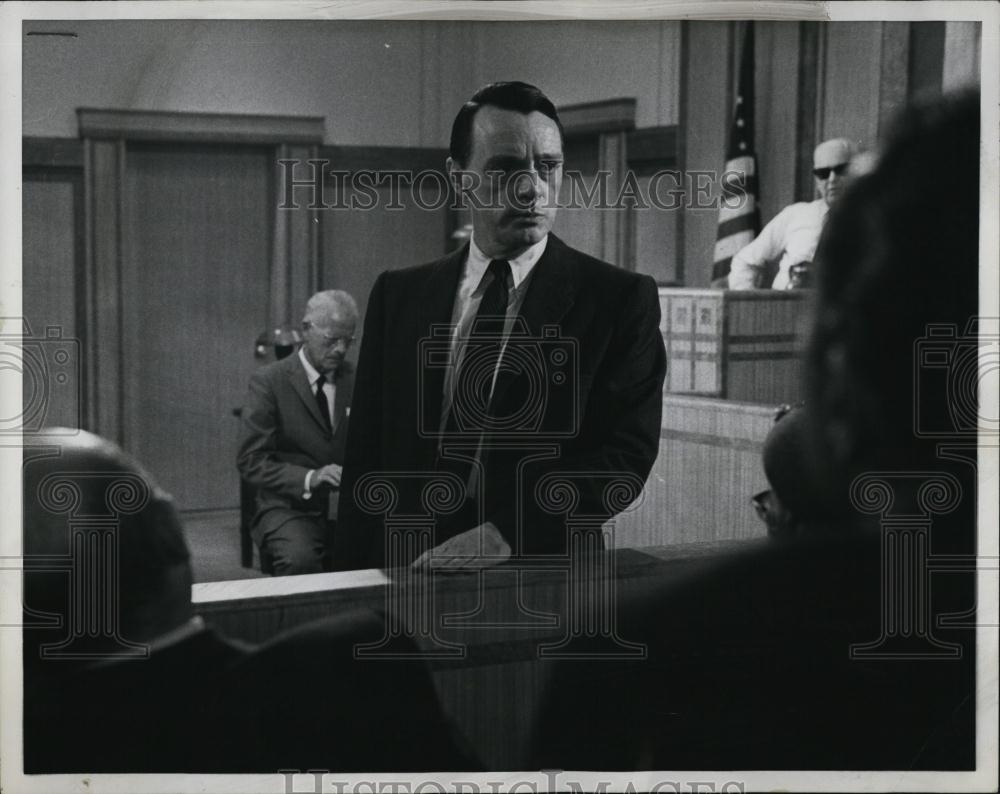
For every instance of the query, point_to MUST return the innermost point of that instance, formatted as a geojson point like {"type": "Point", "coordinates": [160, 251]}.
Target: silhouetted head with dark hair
{"type": "Point", "coordinates": [86, 504]}
{"type": "Point", "coordinates": [898, 255]}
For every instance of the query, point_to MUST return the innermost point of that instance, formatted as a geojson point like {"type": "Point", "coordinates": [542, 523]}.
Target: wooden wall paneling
{"type": "Point", "coordinates": [927, 57]}
{"type": "Point", "coordinates": [708, 468]}
{"type": "Point", "coordinates": [195, 297]}
{"type": "Point", "coordinates": [359, 243]}
{"type": "Point", "coordinates": [179, 239]}
{"type": "Point", "coordinates": [735, 344]}
{"type": "Point", "coordinates": [616, 242]}
{"type": "Point", "coordinates": [51, 153]}
{"type": "Point", "coordinates": [103, 171]}
{"type": "Point", "coordinates": [652, 152]}
{"type": "Point", "coordinates": [962, 43]}
{"type": "Point", "coordinates": [852, 75]}
{"type": "Point", "coordinates": [683, 99]}
{"type": "Point", "coordinates": [607, 122]}
{"type": "Point", "coordinates": [807, 122]}
{"type": "Point", "coordinates": [708, 116]}
{"type": "Point", "coordinates": [180, 127]}
{"type": "Point", "coordinates": [894, 80]}
{"type": "Point", "coordinates": [777, 107]}
{"type": "Point", "coordinates": [765, 341]}
{"type": "Point", "coordinates": [295, 239]}
{"type": "Point", "coordinates": [52, 283]}
{"type": "Point", "coordinates": [279, 292]}
{"type": "Point", "coordinates": [578, 223]}
{"type": "Point", "coordinates": [654, 231]}
{"type": "Point", "coordinates": [601, 117]}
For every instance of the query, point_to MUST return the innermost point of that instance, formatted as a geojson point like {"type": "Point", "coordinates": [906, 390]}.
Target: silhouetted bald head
{"type": "Point", "coordinates": [100, 539]}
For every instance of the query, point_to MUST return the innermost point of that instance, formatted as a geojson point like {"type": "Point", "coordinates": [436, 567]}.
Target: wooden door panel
{"type": "Point", "coordinates": [360, 244]}
{"type": "Point", "coordinates": [52, 354]}
{"type": "Point", "coordinates": [194, 297]}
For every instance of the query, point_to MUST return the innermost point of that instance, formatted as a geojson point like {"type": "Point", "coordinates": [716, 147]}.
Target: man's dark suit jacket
{"type": "Point", "coordinates": [608, 320]}
{"type": "Point", "coordinates": [284, 437]}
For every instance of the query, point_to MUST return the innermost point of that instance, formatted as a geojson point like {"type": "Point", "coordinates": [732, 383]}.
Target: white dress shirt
{"type": "Point", "coordinates": [793, 234]}
{"type": "Point", "coordinates": [473, 285]}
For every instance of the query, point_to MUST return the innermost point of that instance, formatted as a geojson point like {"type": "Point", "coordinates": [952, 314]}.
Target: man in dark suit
{"type": "Point", "coordinates": [294, 429]}
{"type": "Point", "coordinates": [502, 366]}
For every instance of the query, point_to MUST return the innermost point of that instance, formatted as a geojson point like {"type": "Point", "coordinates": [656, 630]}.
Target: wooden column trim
{"type": "Point", "coordinates": [302, 245]}
{"type": "Point", "coordinates": [808, 116]}
{"type": "Point", "coordinates": [962, 44]}
{"type": "Point", "coordinates": [821, 50]}
{"type": "Point", "coordinates": [893, 76]}
{"type": "Point", "coordinates": [104, 164]}
{"type": "Point", "coordinates": [39, 152]}
{"type": "Point", "coordinates": [682, 129]}
{"type": "Point", "coordinates": [610, 120]}
{"type": "Point", "coordinates": [176, 126]}
{"type": "Point", "coordinates": [615, 223]}
{"type": "Point", "coordinates": [608, 115]}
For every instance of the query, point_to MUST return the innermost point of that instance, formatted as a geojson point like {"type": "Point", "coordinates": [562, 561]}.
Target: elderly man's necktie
{"type": "Point", "coordinates": [322, 403]}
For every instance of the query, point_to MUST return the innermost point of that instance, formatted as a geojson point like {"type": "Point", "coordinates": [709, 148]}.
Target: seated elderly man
{"type": "Point", "coordinates": [294, 431]}
{"type": "Point", "coordinates": [794, 232]}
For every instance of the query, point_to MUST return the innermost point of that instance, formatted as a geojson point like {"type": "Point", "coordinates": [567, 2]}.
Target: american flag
{"type": "Point", "coordinates": [739, 217]}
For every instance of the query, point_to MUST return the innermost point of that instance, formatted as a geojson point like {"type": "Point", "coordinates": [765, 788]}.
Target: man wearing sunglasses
{"type": "Point", "coordinates": [793, 233]}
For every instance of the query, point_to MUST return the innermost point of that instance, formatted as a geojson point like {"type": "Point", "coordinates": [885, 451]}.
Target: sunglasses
{"type": "Point", "coordinates": [823, 173]}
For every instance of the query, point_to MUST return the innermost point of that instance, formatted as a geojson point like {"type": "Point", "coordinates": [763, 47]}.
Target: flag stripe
{"type": "Point", "coordinates": [727, 247]}
{"type": "Point", "coordinates": [726, 214]}
{"type": "Point", "coordinates": [739, 218]}
{"type": "Point", "coordinates": [745, 223]}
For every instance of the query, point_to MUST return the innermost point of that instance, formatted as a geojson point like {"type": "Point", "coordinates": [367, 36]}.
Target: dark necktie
{"type": "Point", "coordinates": [474, 379]}
{"type": "Point", "coordinates": [321, 403]}
{"type": "Point", "coordinates": [473, 382]}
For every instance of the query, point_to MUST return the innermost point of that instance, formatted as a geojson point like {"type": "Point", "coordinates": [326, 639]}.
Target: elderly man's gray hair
{"type": "Point", "coordinates": [324, 305]}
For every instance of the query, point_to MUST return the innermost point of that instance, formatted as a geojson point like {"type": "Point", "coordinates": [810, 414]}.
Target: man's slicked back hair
{"type": "Point", "coordinates": [514, 95]}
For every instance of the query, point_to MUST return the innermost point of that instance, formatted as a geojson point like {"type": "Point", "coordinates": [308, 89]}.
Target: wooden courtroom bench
{"type": "Point", "coordinates": [490, 638]}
